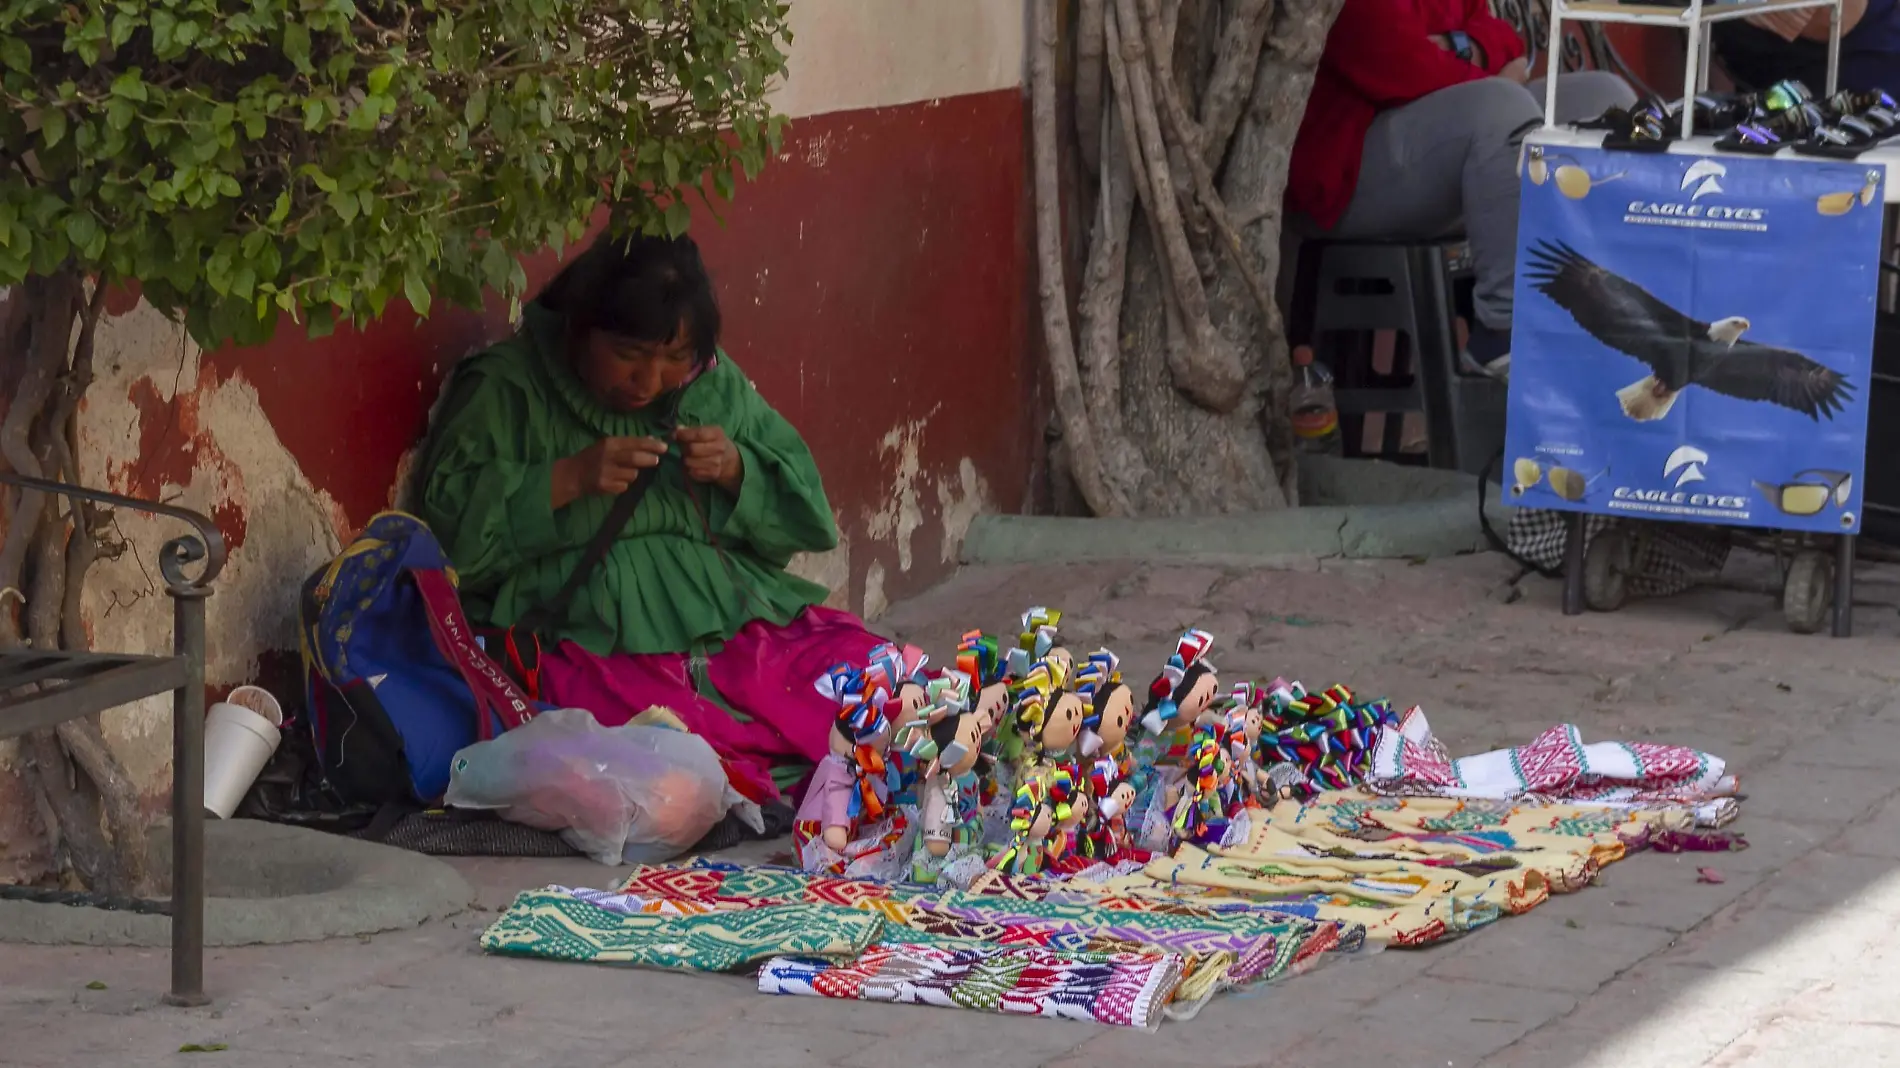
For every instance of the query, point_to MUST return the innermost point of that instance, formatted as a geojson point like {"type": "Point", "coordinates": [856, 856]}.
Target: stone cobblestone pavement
{"type": "Point", "coordinates": [1789, 961]}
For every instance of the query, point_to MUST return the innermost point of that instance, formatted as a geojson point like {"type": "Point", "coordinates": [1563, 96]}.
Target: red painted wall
{"type": "Point", "coordinates": [875, 275]}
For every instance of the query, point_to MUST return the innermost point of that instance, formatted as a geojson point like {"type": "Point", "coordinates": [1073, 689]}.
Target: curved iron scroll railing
{"type": "Point", "coordinates": [205, 544]}
{"type": "Point", "coordinates": [1585, 47]}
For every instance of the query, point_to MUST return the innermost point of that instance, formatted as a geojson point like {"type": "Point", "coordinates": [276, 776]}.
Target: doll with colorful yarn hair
{"type": "Point", "coordinates": [1207, 802]}
{"type": "Point", "coordinates": [947, 743]}
{"type": "Point", "coordinates": [846, 824]}
{"type": "Point", "coordinates": [902, 671]}
{"type": "Point", "coordinates": [1106, 836]}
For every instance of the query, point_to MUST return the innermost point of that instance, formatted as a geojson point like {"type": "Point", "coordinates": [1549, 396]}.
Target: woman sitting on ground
{"type": "Point", "coordinates": [616, 373]}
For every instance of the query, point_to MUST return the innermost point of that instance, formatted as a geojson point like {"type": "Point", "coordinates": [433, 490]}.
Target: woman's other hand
{"type": "Point", "coordinates": [711, 457]}
{"type": "Point", "coordinates": [605, 468]}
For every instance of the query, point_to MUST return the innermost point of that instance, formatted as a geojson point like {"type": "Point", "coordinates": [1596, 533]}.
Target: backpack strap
{"type": "Point", "coordinates": [554, 609]}
{"type": "Point", "coordinates": [494, 693]}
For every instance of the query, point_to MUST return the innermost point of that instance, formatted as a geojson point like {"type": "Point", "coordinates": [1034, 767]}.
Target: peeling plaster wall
{"type": "Point", "coordinates": [877, 287]}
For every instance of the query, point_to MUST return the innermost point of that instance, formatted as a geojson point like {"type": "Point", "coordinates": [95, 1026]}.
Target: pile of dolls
{"type": "Point", "coordinates": [1020, 760]}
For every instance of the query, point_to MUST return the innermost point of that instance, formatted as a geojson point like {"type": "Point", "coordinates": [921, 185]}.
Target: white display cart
{"type": "Point", "coordinates": [1803, 580]}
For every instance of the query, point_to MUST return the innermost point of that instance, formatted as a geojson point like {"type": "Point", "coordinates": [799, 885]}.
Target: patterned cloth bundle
{"type": "Point", "coordinates": [1327, 737]}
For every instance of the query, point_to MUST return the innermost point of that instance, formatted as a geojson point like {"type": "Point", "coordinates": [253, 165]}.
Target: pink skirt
{"type": "Point", "coordinates": [766, 673]}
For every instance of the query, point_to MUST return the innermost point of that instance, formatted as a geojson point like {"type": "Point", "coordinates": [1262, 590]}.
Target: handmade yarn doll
{"type": "Point", "coordinates": [1106, 837]}
{"type": "Point", "coordinates": [1031, 820]}
{"type": "Point", "coordinates": [1070, 811]}
{"type": "Point", "coordinates": [846, 825]}
{"type": "Point", "coordinates": [1110, 710]}
{"type": "Point", "coordinates": [1185, 688]}
{"type": "Point", "coordinates": [1207, 802]}
{"type": "Point", "coordinates": [1048, 719]}
{"type": "Point", "coordinates": [1243, 726]}
{"type": "Point", "coordinates": [950, 819]}
{"type": "Point", "coordinates": [900, 670]}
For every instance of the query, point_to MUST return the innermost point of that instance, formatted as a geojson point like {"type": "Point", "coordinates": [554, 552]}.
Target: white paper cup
{"type": "Point", "coordinates": [241, 733]}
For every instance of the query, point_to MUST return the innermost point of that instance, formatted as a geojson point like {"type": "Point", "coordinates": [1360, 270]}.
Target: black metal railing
{"type": "Point", "coordinates": [43, 688]}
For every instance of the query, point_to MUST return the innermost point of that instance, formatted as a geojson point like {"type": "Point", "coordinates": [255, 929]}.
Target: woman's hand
{"type": "Point", "coordinates": [711, 457]}
{"type": "Point", "coordinates": [605, 468]}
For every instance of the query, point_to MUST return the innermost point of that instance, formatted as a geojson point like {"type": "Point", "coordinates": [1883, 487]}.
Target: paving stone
{"type": "Point", "coordinates": [1876, 836]}
{"type": "Point", "coordinates": [1825, 882]}
{"type": "Point", "coordinates": [1540, 951]}
{"type": "Point", "coordinates": [1657, 890]}
{"type": "Point", "coordinates": [1795, 1041]}
{"type": "Point", "coordinates": [1434, 1021]}
{"type": "Point", "coordinates": [1856, 740]}
{"type": "Point", "coordinates": [1771, 844]}
{"type": "Point", "coordinates": [1805, 793]}
{"type": "Point", "coordinates": [1744, 938]}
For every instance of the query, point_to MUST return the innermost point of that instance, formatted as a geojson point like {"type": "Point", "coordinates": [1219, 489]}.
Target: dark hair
{"type": "Point", "coordinates": [640, 288]}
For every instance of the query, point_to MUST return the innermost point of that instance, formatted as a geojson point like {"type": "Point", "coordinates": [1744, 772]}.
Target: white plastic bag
{"type": "Point", "coordinates": [634, 794]}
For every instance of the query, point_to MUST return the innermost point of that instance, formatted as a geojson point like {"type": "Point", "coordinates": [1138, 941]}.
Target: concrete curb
{"type": "Point", "coordinates": [268, 884]}
{"type": "Point", "coordinates": [1360, 510]}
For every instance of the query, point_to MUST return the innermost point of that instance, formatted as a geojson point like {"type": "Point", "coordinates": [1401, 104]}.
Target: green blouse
{"type": "Point", "coordinates": [694, 563]}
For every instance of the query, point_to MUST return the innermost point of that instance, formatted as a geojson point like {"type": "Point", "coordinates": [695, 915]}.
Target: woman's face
{"type": "Point", "coordinates": [628, 375]}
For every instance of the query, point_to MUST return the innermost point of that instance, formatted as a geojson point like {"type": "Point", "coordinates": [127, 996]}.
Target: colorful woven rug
{"type": "Point", "coordinates": [1412, 870]}
{"type": "Point", "coordinates": [1121, 989]}
{"type": "Point", "coordinates": [1556, 766]}
{"type": "Point", "coordinates": [560, 926]}
{"type": "Point", "coordinates": [1220, 946]}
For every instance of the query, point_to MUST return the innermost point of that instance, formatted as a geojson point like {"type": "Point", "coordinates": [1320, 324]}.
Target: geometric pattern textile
{"type": "Point", "coordinates": [1120, 989]}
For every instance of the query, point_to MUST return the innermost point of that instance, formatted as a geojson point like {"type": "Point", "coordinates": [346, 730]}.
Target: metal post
{"type": "Point", "coordinates": [1833, 47]}
{"type": "Point", "coordinates": [188, 798]}
{"type": "Point", "coordinates": [1844, 586]}
{"type": "Point", "coordinates": [1693, 66]}
{"type": "Point", "coordinates": [1553, 57]}
{"type": "Point", "coordinates": [1573, 566]}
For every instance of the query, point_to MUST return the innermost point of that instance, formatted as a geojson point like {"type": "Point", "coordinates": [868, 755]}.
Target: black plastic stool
{"type": "Point", "coordinates": [1365, 286]}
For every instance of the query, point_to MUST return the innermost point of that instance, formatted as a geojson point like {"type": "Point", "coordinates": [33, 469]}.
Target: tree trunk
{"type": "Point", "coordinates": [1181, 359]}
{"type": "Point", "coordinates": [88, 803]}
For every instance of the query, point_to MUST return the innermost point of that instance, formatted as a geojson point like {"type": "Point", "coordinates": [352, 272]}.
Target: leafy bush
{"type": "Point", "coordinates": [246, 158]}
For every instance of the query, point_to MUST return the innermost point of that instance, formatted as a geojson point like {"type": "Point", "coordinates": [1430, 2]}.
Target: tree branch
{"type": "Point", "coordinates": [1085, 462]}
{"type": "Point", "coordinates": [1231, 83]}
{"type": "Point", "coordinates": [1090, 40]}
{"type": "Point", "coordinates": [1204, 366]}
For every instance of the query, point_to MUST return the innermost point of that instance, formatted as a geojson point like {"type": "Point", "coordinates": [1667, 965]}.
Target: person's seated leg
{"type": "Point", "coordinates": [1446, 156]}
{"type": "Point", "coordinates": [1585, 94]}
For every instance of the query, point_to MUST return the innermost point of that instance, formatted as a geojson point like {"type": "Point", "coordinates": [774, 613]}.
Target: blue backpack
{"type": "Point", "coordinates": [396, 681]}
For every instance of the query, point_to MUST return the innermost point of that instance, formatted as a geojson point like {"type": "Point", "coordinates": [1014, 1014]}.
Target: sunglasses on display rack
{"type": "Point", "coordinates": [1810, 492]}
{"type": "Point", "coordinates": [1568, 483]}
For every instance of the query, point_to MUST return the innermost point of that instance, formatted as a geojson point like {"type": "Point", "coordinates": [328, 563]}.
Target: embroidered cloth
{"type": "Point", "coordinates": [1121, 989]}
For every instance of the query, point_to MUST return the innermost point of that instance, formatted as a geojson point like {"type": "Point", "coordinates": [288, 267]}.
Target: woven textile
{"type": "Point", "coordinates": [1556, 766]}
{"type": "Point", "coordinates": [1121, 989]}
{"type": "Point", "coordinates": [1412, 870]}
{"type": "Point", "coordinates": [1243, 943]}
{"type": "Point", "coordinates": [558, 925]}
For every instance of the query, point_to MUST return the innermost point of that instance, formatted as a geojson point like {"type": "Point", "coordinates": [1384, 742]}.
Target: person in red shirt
{"type": "Point", "coordinates": [1413, 128]}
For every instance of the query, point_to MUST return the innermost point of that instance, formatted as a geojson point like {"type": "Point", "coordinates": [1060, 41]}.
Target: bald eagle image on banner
{"type": "Point", "coordinates": [1714, 308]}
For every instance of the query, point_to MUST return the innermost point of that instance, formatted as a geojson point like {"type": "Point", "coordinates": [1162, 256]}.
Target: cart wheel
{"type": "Point", "coordinates": [1606, 568]}
{"type": "Point", "coordinates": [1807, 595]}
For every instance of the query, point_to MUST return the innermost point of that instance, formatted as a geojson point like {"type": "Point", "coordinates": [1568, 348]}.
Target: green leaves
{"type": "Point", "coordinates": [264, 158]}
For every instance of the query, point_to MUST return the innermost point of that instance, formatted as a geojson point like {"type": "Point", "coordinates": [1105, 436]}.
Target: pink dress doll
{"type": "Point", "coordinates": [846, 825]}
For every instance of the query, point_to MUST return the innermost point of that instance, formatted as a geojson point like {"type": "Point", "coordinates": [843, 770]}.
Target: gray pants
{"type": "Point", "coordinates": [1452, 156]}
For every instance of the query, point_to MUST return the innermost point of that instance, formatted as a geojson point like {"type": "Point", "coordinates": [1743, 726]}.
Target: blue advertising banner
{"type": "Point", "coordinates": [1693, 337]}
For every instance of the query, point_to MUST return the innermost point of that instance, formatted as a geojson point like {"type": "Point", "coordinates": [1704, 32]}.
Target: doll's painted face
{"type": "Point", "coordinates": [1118, 714]}
{"type": "Point", "coordinates": [1253, 727]}
{"type": "Point", "coordinates": [1200, 697]}
{"type": "Point", "coordinates": [990, 704]}
{"type": "Point", "coordinates": [1078, 811]}
{"type": "Point", "coordinates": [909, 706]}
{"type": "Point", "coordinates": [970, 736]}
{"type": "Point", "coordinates": [1063, 725]}
{"type": "Point", "coordinates": [1119, 800]}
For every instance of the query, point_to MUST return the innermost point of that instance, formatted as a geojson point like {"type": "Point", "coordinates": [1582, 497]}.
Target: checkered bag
{"type": "Point", "coordinates": [1668, 555]}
